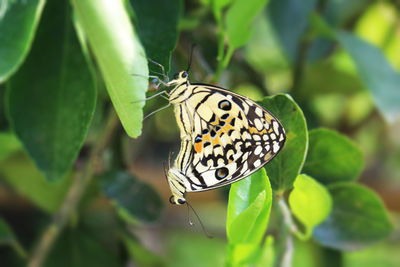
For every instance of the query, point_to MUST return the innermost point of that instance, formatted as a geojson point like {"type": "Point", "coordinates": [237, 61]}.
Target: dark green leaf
{"type": "Point", "coordinates": [358, 218]}
{"type": "Point", "coordinates": [157, 26]}
{"type": "Point", "coordinates": [18, 21]}
{"type": "Point", "coordinates": [238, 19]}
{"type": "Point", "coordinates": [380, 78]}
{"type": "Point", "coordinates": [285, 167]}
{"type": "Point", "coordinates": [290, 20]}
{"type": "Point", "coordinates": [310, 202]}
{"type": "Point", "coordinates": [135, 199]}
{"type": "Point", "coordinates": [119, 54]}
{"type": "Point", "coordinates": [79, 249]}
{"type": "Point", "coordinates": [20, 172]}
{"type": "Point", "coordinates": [52, 97]}
{"type": "Point", "coordinates": [249, 207]}
{"type": "Point", "coordinates": [332, 157]}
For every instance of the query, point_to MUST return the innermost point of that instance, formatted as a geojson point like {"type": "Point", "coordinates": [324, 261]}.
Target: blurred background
{"type": "Point", "coordinates": [285, 54]}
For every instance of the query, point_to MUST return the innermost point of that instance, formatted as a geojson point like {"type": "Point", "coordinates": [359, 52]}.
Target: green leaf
{"type": "Point", "coordinates": [358, 218]}
{"type": "Point", "coordinates": [157, 26]}
{"type": "Point", "coordinates": [134, 200]}
{"type": "Point", "coordinates": [18, 22]}
{"type": "Point", "coordinates": [20, 172]}
{"type": "Point", "coordinates": [332, 157]}
{"type": "Point", "coordinates": [249, 207]}
{"type": "Point", "coordinates": [139, 254]}
{"type": "Point", "coordinates": [310, 202]}
{"type": "Point", "coordinates": [285, 167]}
{"type": "Point", "coordinates": [267, 253]}
{"type": "Point", "coordinates": [8, 145]}
{"type": "Point", "coordinates": [52, 97]}
{"type": "Point", "coordinates": [238, 19]}
{"type": "Point", "coordinates": [119, 55]}
{"type": "Point", "coordinates": [79, 249]}
{"type": "Point", "coordinates": [290, 20]}
{"type": "Point", "coordinates": [377, 74]}
{"type": "Point", "coordinates": [243, 254]}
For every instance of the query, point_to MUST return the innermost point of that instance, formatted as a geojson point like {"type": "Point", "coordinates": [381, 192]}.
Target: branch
{"type": "Point", "coordinates": [73, 197]}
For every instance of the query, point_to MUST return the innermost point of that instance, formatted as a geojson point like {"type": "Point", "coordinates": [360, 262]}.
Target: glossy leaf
{"type": "Point", "coordinates": [238, 19]}
{"type": "Point", "coordinates": [157, 27]}
{"type": "Point", "coordinates": [119, 54]}
{"type": "Point", "coordinates": [285, 167]}
{"type": "Point", "coordinates": [31, 184]}
{"type": "Point", "coordinates": [79, 249]}
{"type": "Point", "coordinates": [358, 218]}
{"type": "Point", "coordinates": [310, 202]}
{"type": "Point", "coordinates": [135, 200]}
{"type": "Point", "coordinates": [52, 97]}
{"type": "Point", "coordinates": [377, 74]}
{"type": "Point", "coordinates": [249, 207]}
{"type": "Point", "coordinates": [9, 144]}
{"type": "Point", "coordinates": [290, 20]}
{"type": "Point", "coordinates": [332, 157]}
{"type": "Point", "coordinates": [18, 22]}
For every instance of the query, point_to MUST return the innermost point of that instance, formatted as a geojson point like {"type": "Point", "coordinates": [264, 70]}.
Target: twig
{"type": "Point", "coordinates": [73, 197]}
{"type": "Point", "coordinates": [286, 259]}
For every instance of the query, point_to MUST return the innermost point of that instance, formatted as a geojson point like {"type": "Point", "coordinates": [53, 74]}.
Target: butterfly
{"type": "Point", "coordinates": [225, 137]}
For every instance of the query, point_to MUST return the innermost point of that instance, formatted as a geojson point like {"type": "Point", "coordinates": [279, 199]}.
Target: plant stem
{"type": "Point", "coordinates": [286, 258]}
{"type": "Point", "coordinates": [73, 197]}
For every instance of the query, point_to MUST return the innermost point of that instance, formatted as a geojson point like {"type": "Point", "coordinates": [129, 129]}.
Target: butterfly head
{"type": "Point", "coordinates": [180, 84]}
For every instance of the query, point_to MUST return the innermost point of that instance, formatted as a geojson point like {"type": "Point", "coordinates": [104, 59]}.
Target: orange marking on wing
{"type": "Point", "coordinates": [215, 141]}
{"type": "Point", "coordinates": [206, 137]}
{"type": "Point", "coordinates": [216, 122]}
{"type": "Point", "coordinates": [253, 130]}
{"type": "Point", "coordinates": [198, 146]}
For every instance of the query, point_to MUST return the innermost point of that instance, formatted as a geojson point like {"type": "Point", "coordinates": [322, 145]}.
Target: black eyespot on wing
{"type": "Point", "coordinates": [181, 201]}
{"type": "Point", "coordinates": [221, 173]}
{"type": "Point", "coordinates": [240, 115]}
{"type": "Point", "coordinates": [233, 122]}
{"type": "Point", "coordinates": [225, 116]}
{"type": "Point", "coordinates": [206, 143]}
{"type": "Point", "coordinates": [198, 139]}
{"type": "Point", "coordinates": [217, 128]}
{"type": "Point", "coordinates": [221, 123]}
{"type": "Point", "coordinates": [225, 105]}
{"type": "Point", "coordinates": [205, 131]}
{"type": "Point", "coordinates": [184, 74]}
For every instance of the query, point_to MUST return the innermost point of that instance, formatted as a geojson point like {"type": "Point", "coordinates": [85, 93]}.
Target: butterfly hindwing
{"type": "Point", "coordinates": [231, 136]}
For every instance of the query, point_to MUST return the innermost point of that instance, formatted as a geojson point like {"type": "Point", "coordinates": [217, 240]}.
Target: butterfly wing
{"type": "Point", "coordinates": [231, 135]}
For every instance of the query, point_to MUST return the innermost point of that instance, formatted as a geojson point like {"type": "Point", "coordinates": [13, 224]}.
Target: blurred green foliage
{"type": "Point", "coordinates": [76, 191]}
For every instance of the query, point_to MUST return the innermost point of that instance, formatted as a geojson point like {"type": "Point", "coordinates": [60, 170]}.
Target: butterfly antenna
{"type": "Point", "coordinates": [190, 57]}
{"type": "Point", "coordinates": [198, 218]}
